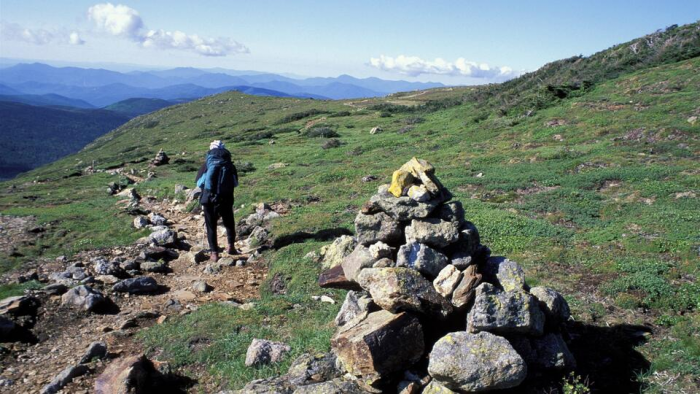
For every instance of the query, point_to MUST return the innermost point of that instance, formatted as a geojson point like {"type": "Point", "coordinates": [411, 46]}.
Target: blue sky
{"type": "Point", "coordinates": [478, 42]}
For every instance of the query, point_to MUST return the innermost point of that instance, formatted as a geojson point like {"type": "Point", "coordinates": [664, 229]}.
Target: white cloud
{"type": "Point", "coordinates": [414, 66]}
{"type": "Point", "coordinates": [125, 22]}
{"type": "Point", "coordinates": [16, 32]}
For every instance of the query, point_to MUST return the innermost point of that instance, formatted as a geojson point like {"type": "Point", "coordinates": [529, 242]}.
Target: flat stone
{"type": "Point", "coordinates": [500, 311]}
{"type": "Point", "coordinates": [334, 278]}
{"type": "Point", "coordinates": [402, 209]}
{"type": "Point", "coordinates": [465, 290]}
{"type": "Point", "coordinates": [359, 259]}
{"type": "Point", "coordinates": [142, 285]}
{"type": "Point", "coordinates": [19, 305]}
{"type": "Point", "coordinates": [476, 362]}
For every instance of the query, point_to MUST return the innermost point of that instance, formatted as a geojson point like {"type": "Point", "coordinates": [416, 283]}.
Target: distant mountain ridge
{"type": "Point", "coordinates": [101, 87]}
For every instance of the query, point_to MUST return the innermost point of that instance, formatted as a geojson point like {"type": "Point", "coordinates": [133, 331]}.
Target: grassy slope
{"type": "Point", "coordinates": [597, 210]}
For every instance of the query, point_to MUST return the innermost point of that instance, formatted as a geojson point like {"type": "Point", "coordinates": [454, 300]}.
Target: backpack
{"type": "Point", "coordinates": [220, 178]}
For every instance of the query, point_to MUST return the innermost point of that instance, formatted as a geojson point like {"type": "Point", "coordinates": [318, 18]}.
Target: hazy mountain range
{"type": "Point", "coordinates": [100, 87]}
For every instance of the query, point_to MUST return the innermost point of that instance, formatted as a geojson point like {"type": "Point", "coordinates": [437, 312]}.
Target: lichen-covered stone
{"type": "Point", "coordinates": [419, 193]}
{"type": "Point", "coordinates": [434, 232]}
{"type": "Point", "coordinates": [447, 280]}
{"type": "Point", "coordinates": [403, 289]}
{"type": "Point", "coordinates": [379, 227]}
{"type": "Point", "coordinates": [452, 211]}
{"type": "Point", "coordinates": [504, 273]}
{"type": "Point", "coordinates": [378, 345]}
{"type": "Point", "coordinates": [436, 388]}
{"type": "Point", "coordinates": [422, 258]}
{"type": "Point", "coordinates": [307, 369]}
{"type": "Point", "coordinates": [262, 352]}
{"type": "Point", "coordinates": [380, 250]}
{"type": "Point", "coordinates": [334, 253]}
{"type": "Point", "coordinates": [402, 209]}
{"type": "Point", "coordinates": [500, 311]}
{"type": "Point", "coordinates": [553, 304]}
{"type": "Point", "coordinates": [476, 362]}
{"type": "Point", "coordinates": [400, 180]}
{"type": "Point", "coordinates": [424, 171]}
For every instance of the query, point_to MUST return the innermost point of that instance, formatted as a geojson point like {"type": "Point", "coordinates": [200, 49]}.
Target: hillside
{"type": "Point", "coordinates": [138, 106]}
{"type": "Point", "coordinates": [31, 136]}
{"type": "Point", "coordinates": [586, 172]}
{"type": "Point", "coordinates": [45, 100]}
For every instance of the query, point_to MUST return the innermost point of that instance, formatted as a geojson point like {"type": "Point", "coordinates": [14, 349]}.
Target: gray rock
{"type": "Point", "coordinates": [432, 232]}
{"type": "Point", "coordinates": [384, 263]}
{"type": "Point", "coordinates": [201, 286]}
{"type": "Point", "coordinates": [141, 222]}
{"type": "Point", "coordinates": [154, 266]}
{"type": "Point", "coordinates": [83, 297]}
{"type": "Point", "coordinates": [308, 369]}
{"type": "Point", "coordinates": [381, 344]}
{"type": "Point", "coordinates": [196, 257]}
{"type": "Point", "coordinates": [258, 237]}
{"type": "Point", "coordinates": [355, 307]}
{"type": "Point", "coordinates": [144, 284]}
{"type": "Point", "coordinates": [63, 378]}
{"type": "Point", "coordinates": [263, 352]}
{"type": "Point", "coordinates": [96, 350]}
{"type": "Point", "coordinates": [163, 237]}
{"type": "Point", "coordinates": [403, 289]}
{"type": "Point", "coordinates": [465, 249]}
{"type": "Point", "coordinates": [503, 273]}
{"type": "Point", "coordinates": [55, 289]}
{"type": "Point", "coordinates": [550, 352]}
{"type": "Point", "coordinates": [379, 227]}
{"type": "Point", "coordinates": [452, 211]}
{"type": "Point", "coordinates": [380, 250]}
{"type": "Point", "coordinates": [436, 388]}
{"type": "Point", "coordinates": [476, 362]}
{"type": "Point", "coordinates": [103, 267]}
{"type": "Point", "coordinates": [402, 209]}
{"type": "Point", "coordinates": [359, 259]}
{"type": "Point", "coordinates": [334, 253]}
{"type": "Point", "coordinates": [500, 311]}
{"type": "Point", "coordinates": [553, 304]}
{"type": "Point", "coordinates": [422, 258]}
{"type": "Point", "coordinates": [180, 188]}
{"type": "Point", "coordinates": [447, 280]}
{"type": "Point", "coordinates": [157, 220]}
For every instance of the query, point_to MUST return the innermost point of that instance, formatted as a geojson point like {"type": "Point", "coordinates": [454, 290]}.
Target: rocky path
{"type": "Point", "coordinates": [56, 335]}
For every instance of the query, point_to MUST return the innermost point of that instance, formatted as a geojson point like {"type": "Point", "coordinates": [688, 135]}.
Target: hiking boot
{"type": "Point", "coordinates": [214, 257]}
{"type": "Point", "coordinates": [232, 250]}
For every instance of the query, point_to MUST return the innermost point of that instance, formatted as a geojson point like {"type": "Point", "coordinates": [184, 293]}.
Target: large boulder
{"type": "Point", "coordinates": [142, 285]}
{"type": "Point", "coordinates": [334, 253]}
{"type": "Point", "coordinates": [381, 344]}
{"type": "Point", "coordinates": [434, 232]}
{"type": "Point", "coordinates": [503, 273]}
{"type": "Point", "coordinates": [355, 307]}
{"type": "Point", "coordinates": [359, 259]}
{"type": "Point", "coordinates": [500, 311]}
{"type": "Point", "coordinates": [403, 209]}
{"type": "Point", "coordinates": [83, 297]}
{"type": "Point", "coordinates": [262, 352]}
{"type": "Point", "coordinates": [476, 362]}
{"type": "Point", "coordinates": [378, 227]}
{"type": "Point", "coordinates": [422, 258]}
{"type": "Point", "coordinates": [553, 304]}
{"type": "Point", "coordinates": [403, 289]}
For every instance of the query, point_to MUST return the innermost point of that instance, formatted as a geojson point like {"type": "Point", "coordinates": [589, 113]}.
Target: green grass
{"type": "Point", "coordinates": [608, 202]}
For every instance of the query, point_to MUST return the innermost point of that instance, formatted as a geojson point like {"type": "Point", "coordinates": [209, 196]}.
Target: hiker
{"type": "Point", "coordinates": [217, 178]}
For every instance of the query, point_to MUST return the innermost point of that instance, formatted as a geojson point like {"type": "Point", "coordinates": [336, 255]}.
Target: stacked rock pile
{"type": "Point", "coordinates": [430, 310]}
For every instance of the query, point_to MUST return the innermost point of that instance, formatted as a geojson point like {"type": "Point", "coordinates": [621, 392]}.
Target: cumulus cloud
{"type": "Point", "coordinates": [125, 22]}
{"type": "Point", "coordinates": [15, 32]}
{"type": "Point", "coordinates": [415, 66]}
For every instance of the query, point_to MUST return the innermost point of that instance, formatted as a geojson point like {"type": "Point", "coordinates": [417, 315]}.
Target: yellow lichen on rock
{"type": "Point", "coordinates": [424, 171]}
{"type": "Point", "coordinates": [399, 181]}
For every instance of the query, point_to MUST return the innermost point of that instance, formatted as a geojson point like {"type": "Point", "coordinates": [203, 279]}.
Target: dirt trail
{"type": "Point", "coordinates": [62, 335]}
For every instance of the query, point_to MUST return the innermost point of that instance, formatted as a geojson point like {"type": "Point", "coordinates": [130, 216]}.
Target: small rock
{"type": "Point", "coordinates": [133, 374]}
{"type": "Point", "coordinates": [164, 237]}
{"type": "Point", "coordinates": [96, 350]}
{"type": "Point", "coordinates": [500, 311]}
{"type": "Point", "coordinates": [384, 263]}
{"type": "Point", "coordinates": [334, 253]}
{"type": "Point", "coordinates": [369, 178]}
{"type": "Point", "coordinates": [422, 258]}
{"type": "Point", "coordinates": [160, 159]}
{"type": "Point", "coordinates": [503, 273]}
{"type": "Point", "coordinates": [379, 227]}
{"type": "Point", "coordinates": [553, 304]}
{"type": "Point", "coordinates": [83, 297]}
{"type": "Point", "coordinates": [144, 284]}
{"type": "Point", "coordinates": [141, 222]}
{"type": "Point", "coordinates": [465, 290]}
{"type": "Point", "coordinates": [433, 232]}
{"type": "Point", "coordinates": [276, 166]}
{"type": "Point", "coordinates": [436, 388]}
{"type": "Point", "coordinates": [157, 220]}
{"type": "Point", "coordinates": [419, 193]}
{"type": "Point", "coordinates": [375, 130]}
{"type": "Point", "coordinates": [201, 286]}
{"type": "Point", "coordinates": [355, 307]}
{"type": "Point", "coordinates": [154, 266]}
{"type": "Point", "coordinates": [63, 378]}
{"type": "Point", "coordinates": [447, 280]}
{"type": "Point", "coordinates": [263, 352]}
{"type": "Point", "coordinates": [356, 261]}
{"type": "Point", "coordinates": [196, 257]}
{"type": "Point", "coordinates": [55, 289]}
{"type": "Point", "coordinates": [380, 250]}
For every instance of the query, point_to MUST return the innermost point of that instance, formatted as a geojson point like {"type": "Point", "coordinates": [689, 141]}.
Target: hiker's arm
{"type": "Point", "coordinates": [200, 174]}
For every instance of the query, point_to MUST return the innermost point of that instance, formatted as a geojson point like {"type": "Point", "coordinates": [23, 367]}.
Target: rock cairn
{"type": "Point", "coordinates": [430, 310]}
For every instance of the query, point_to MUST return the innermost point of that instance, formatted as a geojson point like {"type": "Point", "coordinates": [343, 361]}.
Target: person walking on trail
{"type": "Point", "coordinates": [217, 178]}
